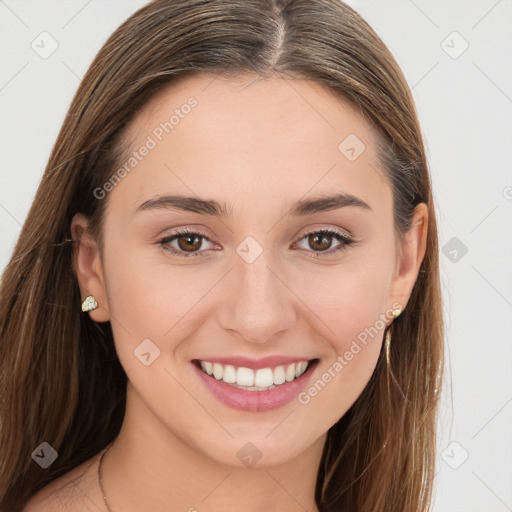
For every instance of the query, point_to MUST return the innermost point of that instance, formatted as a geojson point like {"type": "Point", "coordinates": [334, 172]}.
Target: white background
{"type": "Point", "coordinates": [465, 108]}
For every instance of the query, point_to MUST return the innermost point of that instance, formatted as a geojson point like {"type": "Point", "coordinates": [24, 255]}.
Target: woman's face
{"type": "Point", "coordinates": [256, 284]}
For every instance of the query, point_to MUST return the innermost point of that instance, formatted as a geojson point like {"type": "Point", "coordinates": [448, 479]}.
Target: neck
{"type": "Point", "coordinates": [149, 468]}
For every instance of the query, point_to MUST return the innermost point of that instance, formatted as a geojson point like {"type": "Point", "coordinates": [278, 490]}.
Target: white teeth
{"type": "Point", "coordinates": [301, 368]}
{"type": "Point", "coordinates": [279, 376]}
{"type": "Point", "coordinates": [218, 371]}
{"type": "Point", "coordinates": [229, 374]}
{"type": "Point", "coordinates": [290, 373]}
{"type": "Point", "coordinates": [254, 380]}
{"type": "Point", "coordinates": [207, 367]}
{"type": "Point", "coordinates": [245, 376]}
{"type": "Point", "coordinates": [264, 378]}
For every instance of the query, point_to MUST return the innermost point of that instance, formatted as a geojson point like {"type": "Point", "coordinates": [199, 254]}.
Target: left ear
{"type": "Point", "coordinates": [414, 245]}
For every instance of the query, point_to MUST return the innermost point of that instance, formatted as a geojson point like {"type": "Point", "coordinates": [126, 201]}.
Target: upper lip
{"type": "Point", "coordinates": [255, 364]}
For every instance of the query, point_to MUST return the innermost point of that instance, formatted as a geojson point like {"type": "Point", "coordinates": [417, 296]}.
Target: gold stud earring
{"type": "Point", "coordinates": [89, 304]}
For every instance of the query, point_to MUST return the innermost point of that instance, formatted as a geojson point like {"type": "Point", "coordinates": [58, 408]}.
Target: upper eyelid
{"type": "Point", "coordinates": [338, 231]}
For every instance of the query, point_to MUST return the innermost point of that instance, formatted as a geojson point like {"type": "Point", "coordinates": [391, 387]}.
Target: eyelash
{"type": "Point", "coordinates": [340, 237]}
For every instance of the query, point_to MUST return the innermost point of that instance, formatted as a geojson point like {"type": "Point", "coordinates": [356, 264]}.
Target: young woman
{"type": "Point", "coordinates": [226, 293]}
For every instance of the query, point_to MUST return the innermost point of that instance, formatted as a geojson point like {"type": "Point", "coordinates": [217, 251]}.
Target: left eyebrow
{"type": "Point", "coordinates": [326, 203]}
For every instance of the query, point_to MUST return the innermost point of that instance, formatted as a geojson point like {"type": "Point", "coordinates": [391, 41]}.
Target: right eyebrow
{"type": "Point", "coordinates": [185, 203]}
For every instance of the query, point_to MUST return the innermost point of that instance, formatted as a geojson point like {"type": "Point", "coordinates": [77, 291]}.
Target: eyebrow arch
{"type": "Point", "coordinates": [188, 204]}
{"type": "Point", "coordinates": [326, 203]}
{"type": "Point", "coordinates": [210, 207]}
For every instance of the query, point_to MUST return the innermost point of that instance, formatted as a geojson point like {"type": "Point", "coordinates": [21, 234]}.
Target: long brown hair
{"type": "Point", "coordinates": [60, 379]}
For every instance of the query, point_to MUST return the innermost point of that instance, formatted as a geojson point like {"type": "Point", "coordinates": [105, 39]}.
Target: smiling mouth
{"type": "Point", "coordinates": [262, 379]}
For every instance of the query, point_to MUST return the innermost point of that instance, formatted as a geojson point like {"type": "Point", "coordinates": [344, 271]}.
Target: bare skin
{"type": "Point", "coordinates": [258, 146]}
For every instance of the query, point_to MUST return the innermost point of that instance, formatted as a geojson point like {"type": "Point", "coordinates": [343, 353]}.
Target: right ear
{"type": "Point", "coordinates": [88, 267]}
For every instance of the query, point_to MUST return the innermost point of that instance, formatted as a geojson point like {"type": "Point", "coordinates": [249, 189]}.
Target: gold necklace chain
{"type": "Point", "coordinates": [100, 477]}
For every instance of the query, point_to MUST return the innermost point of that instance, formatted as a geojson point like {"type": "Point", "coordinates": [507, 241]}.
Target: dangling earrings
{"type": "Point", "coordinates": [387, 342]}
{"type": "Point", "coordinates": [89, 304]}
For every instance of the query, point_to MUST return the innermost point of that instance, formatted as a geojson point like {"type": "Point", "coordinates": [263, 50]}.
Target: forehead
{"type": "Point", "coordinates": [252, 106]}
{"type": "Point", "coordinates": [251, 138]}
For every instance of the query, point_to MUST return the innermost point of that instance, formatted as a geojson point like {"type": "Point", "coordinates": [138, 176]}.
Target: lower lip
{"type": "Point", "coordinates": [255, 401]}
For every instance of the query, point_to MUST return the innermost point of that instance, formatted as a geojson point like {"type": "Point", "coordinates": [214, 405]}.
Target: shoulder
{"type": "Point", "coordinates": [75, 491]}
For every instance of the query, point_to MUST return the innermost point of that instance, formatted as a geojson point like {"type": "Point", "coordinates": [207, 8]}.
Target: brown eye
{"type": "Point", "coordinates": [189, 242]}
{"type": "Point", "coordinates": [185, 243]}
{"type": "Point", "coordinates": [320, 241]}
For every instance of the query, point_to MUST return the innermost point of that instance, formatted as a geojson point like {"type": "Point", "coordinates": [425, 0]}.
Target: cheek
{"type": "Point", "coordinates": [351, 301]}
{"type": "Point", "coordinates": [149, 298]}
{"type": "Point", "coordinates": [354, 350]}
{"type": "Point", "coordinates": [352, 307]}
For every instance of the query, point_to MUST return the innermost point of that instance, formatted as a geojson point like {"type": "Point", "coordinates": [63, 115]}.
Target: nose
{"type": "Point", "coordinates": [256, 304]}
